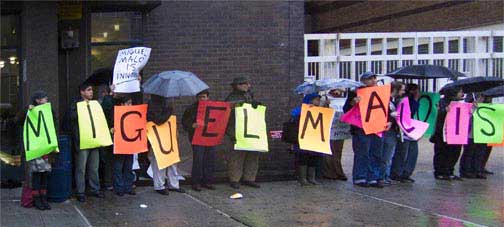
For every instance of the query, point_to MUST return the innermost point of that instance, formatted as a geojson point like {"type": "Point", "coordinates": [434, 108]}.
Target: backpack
{"type": "Point", "coordinates": [290, 131]}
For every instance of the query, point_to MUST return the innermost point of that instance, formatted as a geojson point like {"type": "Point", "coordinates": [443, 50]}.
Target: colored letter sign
{"type": "Point", "coordinates": [93, 129]}
{"type": "Point", "coordinates": [213, 118]}
{"type": "Point", "coordinates": [427, 111]}
{"type": "Point", "coordinates": [251, 132]}
{"type": "Point", "coordinates": [127, 67]}
{"type": "Point", "coordinates": [457, 122]}
{"type": "Point", "coordinates": [412, 128]}
{"type": "Point", "coordinates": [129, 129]}
{"type": "Point", "coordinates": [39, 134]}
{"type": "Point", "coordinates": [163, 139]}
{"type": "Point", "coordinates": [374, 105]}
{"type": "Point", "coordinates": [315, 128]}
{"type": "Point", "coordinates": [487, 123]}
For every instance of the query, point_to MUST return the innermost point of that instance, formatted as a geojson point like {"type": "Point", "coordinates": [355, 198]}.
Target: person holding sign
{"type": "Point", "coordinates": [306, 161]}
{"type": "Point", "coordinates": [40, 167]}
{"type": "Point", "coordinates": [241, 163]}
{"type": "Point", "coordinates": [445, 155]}
{"type": "Point", "coordinates": [87, 160]}
{"type": "Point", "coordinates": [159, 113]}
{"type": "Point", "coordinates": [406, 155]}
{"type": "Point", "coordinates": [391, 136]}
{"type": "Point", "coordinates": [123, 163]}
{"type": "Point", "coordinates": [470, 161]}
{"type": "Point", "coordinates": [203, 156]}
{"type": "Point", "coordinates": [367, 147]}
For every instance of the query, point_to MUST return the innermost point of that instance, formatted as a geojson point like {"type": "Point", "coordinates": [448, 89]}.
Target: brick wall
{"type": "Point", "coordinates": [396, 16]}
{"type": "Point", "coordinates": [221, 40]}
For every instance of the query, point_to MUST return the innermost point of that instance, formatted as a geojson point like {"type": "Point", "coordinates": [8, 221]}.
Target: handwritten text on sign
{"type": "Point", "coordinates": [127, 67]}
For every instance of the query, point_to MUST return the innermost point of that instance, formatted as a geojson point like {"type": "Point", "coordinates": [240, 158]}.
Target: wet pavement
{"type": "Point", "coordinates": [427, 202]}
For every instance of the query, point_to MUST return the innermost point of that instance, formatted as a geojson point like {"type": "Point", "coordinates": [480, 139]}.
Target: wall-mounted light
{"type": "Point", "coordinates": [117, 27]}
{"type": "Point", "coordinates": [105, 35]}
{"type": "Point", "coordinates": [2, 64]}
{"type": "Point", "coordinates": [12, 60]}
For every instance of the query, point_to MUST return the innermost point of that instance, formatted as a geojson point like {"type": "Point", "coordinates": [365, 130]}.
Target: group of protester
{"type": "Point", "coordinates": [378, 160]}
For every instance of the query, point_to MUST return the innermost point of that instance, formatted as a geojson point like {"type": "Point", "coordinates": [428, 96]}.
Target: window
{"type": "Point", "coordinates": [110, 32]}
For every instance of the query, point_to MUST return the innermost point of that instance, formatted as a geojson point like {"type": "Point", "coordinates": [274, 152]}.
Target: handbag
{"type": "Point", "coordinates": [290, 132]}
{"type": "Point", "coordinates": [26, 197]}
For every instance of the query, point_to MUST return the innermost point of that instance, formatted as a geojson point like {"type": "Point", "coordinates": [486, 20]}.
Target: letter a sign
{"type": "Point", "coordinates": [129, 129]}
{"type": "Point", "coordinates": [93, 129]}
{"type": "Point", "coordinates": [163, 139]}
{"type": "Point", "coordinates": [374, 105]}
{"type": "Point", "coordinates": [315, 128]}
{"type": "Point", "coordinates": [251, 128]}
{"type": "Point", "coordinates": [39, 134]}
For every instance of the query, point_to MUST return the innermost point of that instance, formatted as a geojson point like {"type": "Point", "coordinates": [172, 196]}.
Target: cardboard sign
{"type": "Point", "coordinates": [427, 110]}
{"type": "Point", "coordinates": [129, 129]}
{"type": "Point", "coordinates": [39, 134]}
{"type": "Point", "coordinates": [353, 117]}
{"type": "Point", "coordinates": [339, 130]}
{"type": "Point", "coordinates": [457, 122]}
{"type": "Point", "coordinates": [487, 123]}
{"type": "Point", "coordinates": [93, 129]}
{"type": "Point", "coordinates": [127, 67]}
{"type": "Point", "coordinates": [251, 134]}
{"type": "Point", "coordinates": [213, 118]}
{"type": "Point", "coordinates": [497, 144]}
{"type": "Point", "coordinates": [374, 105]}
{"type": "Point", "coordinates": [315, 128]}
{"type": "Point", "coordinates": [412, 128]}
{"type": "Point", "coordinates": [163, 139]}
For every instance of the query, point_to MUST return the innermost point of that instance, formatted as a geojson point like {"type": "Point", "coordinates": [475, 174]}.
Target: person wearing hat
{"type": "Point", "coordinates": [203, 156]}
{"type": "Point", "coordinates": [367, 148]}
{"type": "Point", "coordinates": [39, 167]}
{"type": "Point", "coordinates": [306, 161]}
{"type": "Point", "coordinates": [241, 164]}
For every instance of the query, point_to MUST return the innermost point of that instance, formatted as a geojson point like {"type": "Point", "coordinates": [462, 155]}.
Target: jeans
{"type": "Point", "coordinates": [470, 162]}
{"type": "Point", "coordinates": [203, 164]}
{"type": "Point", "coordinates": [367, 155]}
{"type": "Point", "coordinates": [389, 147]}
{"type": "Point", "coordinates": [106, 165]}
{"type": "Point", "coordinates": [405, 159]}
{"type": "Point", "coordinates": [123, 176]}
{"type": "Point", "coordinates": [87, 161]}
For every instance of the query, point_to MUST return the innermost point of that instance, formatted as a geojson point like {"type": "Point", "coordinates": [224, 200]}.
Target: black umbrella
{"type": "Point", "coordinates": [473, 84]}
{"type": "Point", "coordinates": [495, 92]}
{"type": "Point", "coordinates": [425, 72]}
{"type": "Point", "coordinates": [100, 76]}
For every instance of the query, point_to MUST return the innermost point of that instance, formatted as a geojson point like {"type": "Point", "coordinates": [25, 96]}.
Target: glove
{"type": "Point", "coordinates": [255, 104]}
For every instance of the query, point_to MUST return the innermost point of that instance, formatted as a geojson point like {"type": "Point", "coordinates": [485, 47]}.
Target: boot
{"type": "Point", "coordinates": [37, 202]}
{"type": "Point", "coordinates": [302, 175]}
{"type": "Point", "coordinates": [43, 198]}
{"type": "Point", "coordinates": [311, 176]}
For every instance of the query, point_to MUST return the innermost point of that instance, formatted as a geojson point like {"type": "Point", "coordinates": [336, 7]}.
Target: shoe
{"type": "Point", "coordinates": [196, 187]}
{"type": "Point", "coordinates": [98, 194]}
{"type": "Point", "coordinates": [251, 184]}
{"type": "Point", "coordinates": [43, 198]}
{"type": "Point", "coordinates": [387, 182]}
{"type": "Point", "coordinates": [208, 186]}
{"type": "Point", "coordinates": [109, 188]}
{"type": "Point", "coordinates": [235, 185]}
{"type": "Point", "coordinates": [162, 192]}
{"type": "Point", "coordinates": [376, 185]}
{"type": "Point", "coordinates": [362, 184]}
{"type": "Point", "coordinates": [311, 176]}
{"type": "Point", "coordinates": [342, 178]}
{"type": "Point", "coordinates": [407, 180]}
{"type": "Point", "coordinates": [179, 190]}
{"type": "Point", "coordinates": [119, 194]}
{"type": "Point", "coordinates": [468, 175]}
{"type": "Point", "coordinates": [81, 198]}
{"type": "Point", "coordinates": [37, 202]}
{"type": "Point", "coordinates": [479, 176]}
{"type": "Point", "coordinates": [132, 192]}
{"type": "Point", "coordinates": [301, 170]}
{"type": "Point", "coordinates": [488, 172]}
{"type": "Point", "coordinates": [455, 177]}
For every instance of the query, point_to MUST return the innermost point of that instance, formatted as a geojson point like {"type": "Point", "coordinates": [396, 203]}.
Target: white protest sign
{"type": "Point", "coordinates": [128, 64]}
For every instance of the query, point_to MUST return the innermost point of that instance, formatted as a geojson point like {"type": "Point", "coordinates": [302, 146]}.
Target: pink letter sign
{"type": "Point", "coordinates": [412, 128]}
{"type": "Point", "coordinates": [457, 122]}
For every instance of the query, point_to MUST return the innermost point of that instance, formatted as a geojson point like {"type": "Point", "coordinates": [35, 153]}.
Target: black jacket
{"type": "Point", "coordinates": [237, 98]}
{"type": "Point", "coordinates": [189, 118]}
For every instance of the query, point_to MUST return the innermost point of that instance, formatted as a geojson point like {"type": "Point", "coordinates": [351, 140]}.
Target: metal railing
{"type": "Point", "coordinates": [347, 55]}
